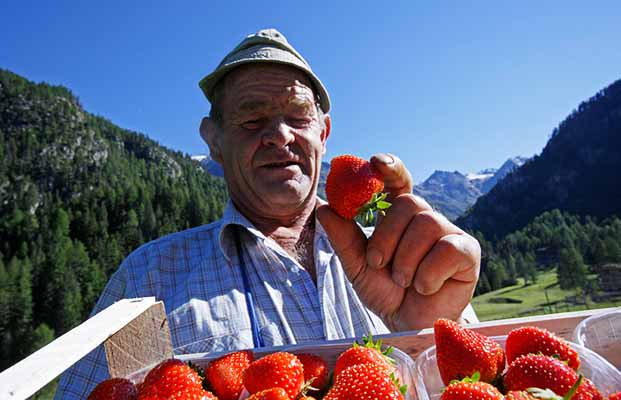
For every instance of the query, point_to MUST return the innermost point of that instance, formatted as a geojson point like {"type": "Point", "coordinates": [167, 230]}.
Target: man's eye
{"type": "Point", "coordinates": [300, 122]}
{"type": "Point", "coordinates": [252, 124]}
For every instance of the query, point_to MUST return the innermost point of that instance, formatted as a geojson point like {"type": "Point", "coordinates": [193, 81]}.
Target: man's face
{"type": "Point", "coordinates": [270, 140]}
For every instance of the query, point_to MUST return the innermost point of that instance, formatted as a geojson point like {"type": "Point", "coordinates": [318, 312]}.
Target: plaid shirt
{"type": "Point", "coordinates": [197, 274]}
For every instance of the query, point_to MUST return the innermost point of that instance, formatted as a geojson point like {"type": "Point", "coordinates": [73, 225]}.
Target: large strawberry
{"type": "Point", "coordinates": [530, 339]}
{"type": "Point", "coordinates": [315, 370]}
{"type": "Point", "coordinates": [540, 371]}
{"type": "Point", "coordinates": [114, 389]}
{"type": "Point", "coordinates": [225, 374]}
{"type": "Point", "coordinates": [471, 388]}
{"type": "Point", "coordinates": [353, 186]}
{"type": "Point", "coordinates": [615, 396]}
{"type": "Point", "coordinates": [172, 380]}
{"type": "Point", "coordinates": [365, 382]}
{"type": "Point", "coordinates": [461, 352]}
{"type": "Point", "coordinates": [279, 369]}
{"type": "Point", "coordinates": [369, 353]}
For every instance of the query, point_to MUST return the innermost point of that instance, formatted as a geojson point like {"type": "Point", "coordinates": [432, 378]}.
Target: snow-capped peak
{"type": "Point", "coordinates": [479, 176]}
{"type": "Point", "coordinates": [199, 157]}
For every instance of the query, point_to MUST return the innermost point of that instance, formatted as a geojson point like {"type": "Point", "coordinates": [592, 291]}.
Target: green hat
{"type": "Point", "coordinates": [267, 45]}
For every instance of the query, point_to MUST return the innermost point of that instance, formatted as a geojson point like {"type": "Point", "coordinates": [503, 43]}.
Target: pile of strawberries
{"type": "Point", "coordinates": [361, 372]}
{"type": "Point", "coordinates": [540, 365]}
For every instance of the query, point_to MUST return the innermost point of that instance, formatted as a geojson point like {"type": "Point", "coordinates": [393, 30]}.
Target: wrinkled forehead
{"type": "Point", "coordinates": [249, 85]}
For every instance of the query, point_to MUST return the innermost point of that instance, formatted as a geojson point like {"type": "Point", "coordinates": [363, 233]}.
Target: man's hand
{"type": "Point", "coordinates": [416, 267]}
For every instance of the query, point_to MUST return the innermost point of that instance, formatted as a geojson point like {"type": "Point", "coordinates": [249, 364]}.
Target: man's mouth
{"type": "Point", "coordinates": [280, 164]}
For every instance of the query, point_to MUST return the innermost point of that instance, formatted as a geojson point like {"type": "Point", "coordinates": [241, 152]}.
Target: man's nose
{"type": "Point", "coordinates": [278, 133]}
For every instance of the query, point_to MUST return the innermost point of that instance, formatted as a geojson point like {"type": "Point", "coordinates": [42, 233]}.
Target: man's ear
{"type": "Point", "coordinates": [327, 123]}
{"type": "Point", "coordinates": [210, 133]}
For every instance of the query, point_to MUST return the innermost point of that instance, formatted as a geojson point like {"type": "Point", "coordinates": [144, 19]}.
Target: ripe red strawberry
{"type": "Point", "coordinates": [461, 352]}
{"type": "Point", "coordinates": [352, 186]}
{"type": "Point", "coordinates": [369, 353]}
{"type": "Point", "coordinates": [615, 396]}
{"type": "Point", "coordinates": [315, 368]}
{"type": "Point", "coordinates": [172, 380]}
{"type": "Point", "coordinates": [280, 369]}
{"type": "Point", "coordinates": [468, 390]}
{"type": "Point", "coordinates": [590, 388]}
{"type": "Point", "coordinates": [225, 374]}
{"type": "Point", "coordinates": [114, 389]}
{"type": "Point", "coordinates": [540, 371]}
{"type": "Point", "coordinates": [530, 339]}
{"type": "Point", "coordinates": [275, 393]}
{"type": "Point", "coordinates": [364, 382]}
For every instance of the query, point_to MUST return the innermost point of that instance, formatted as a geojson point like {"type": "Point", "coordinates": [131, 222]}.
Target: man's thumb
{"type": "Point", "coordinates": [348, 240]}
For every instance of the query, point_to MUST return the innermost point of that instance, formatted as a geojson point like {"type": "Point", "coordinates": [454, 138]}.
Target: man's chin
{"type": "Point", "coordinates": [288, 196]}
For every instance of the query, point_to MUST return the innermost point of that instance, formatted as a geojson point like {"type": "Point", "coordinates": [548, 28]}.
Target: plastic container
{"type": "Point", "coordinates": [429, 383]}
{"type": "Point", "coordinates": [328, 351]}
{"type": "Point", "coordinates": [602, 334]}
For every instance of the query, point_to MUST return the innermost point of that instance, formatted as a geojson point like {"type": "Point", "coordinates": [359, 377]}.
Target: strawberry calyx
{"type": "Point", "coordinates": [377, 345]}
{"type": "Point", "coordinates": [476, 376]}
{"type": "Point", "coordinates": [308, 386]}
{"type": "Point", "coordinates": [549, 394]}
{"type": "Point", "coordinates": [402, 388]}
{"type": "Point", "coordinates": [377, 203]}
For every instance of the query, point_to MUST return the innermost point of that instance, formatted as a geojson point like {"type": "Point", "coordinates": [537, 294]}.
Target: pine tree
{"type": "Point", "coordinates": [612, 250]}
{"type": "Point", "coordinates": [483, 285]}
{"type": "Point", "coordinates": [497, 275]}
{"type": "Point", "coordinates": [511, 270]}
{"type": "Point", "coordinates": [20, 308]}
{"type": "Point", "coordinates": [89, 276]}
{"type": "Point", "coordinates": [571, 271]}
{"type": "Point", "coordinates": [70, 308]}
{"type": "Point", "coordinates": [530, 267]}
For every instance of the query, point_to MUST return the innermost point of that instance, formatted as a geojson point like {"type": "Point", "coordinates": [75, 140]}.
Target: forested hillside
{"type": "Point", "coordinates": [578, 171]}
{"type": "Point", "coordinates": [574, 245]}
{"type": "Point", "coordinates": [77, 194]}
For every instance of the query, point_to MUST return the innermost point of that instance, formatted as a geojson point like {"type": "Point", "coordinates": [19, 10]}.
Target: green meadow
{"type": "Point", "coordinates": [543, 297]}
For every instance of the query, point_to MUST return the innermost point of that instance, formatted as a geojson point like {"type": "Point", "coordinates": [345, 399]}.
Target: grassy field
{"type": "Point", "coordinates": [520, 301]}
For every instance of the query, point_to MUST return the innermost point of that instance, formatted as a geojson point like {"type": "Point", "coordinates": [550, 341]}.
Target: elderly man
{"type": "Point", "coordinates": [280, 266]}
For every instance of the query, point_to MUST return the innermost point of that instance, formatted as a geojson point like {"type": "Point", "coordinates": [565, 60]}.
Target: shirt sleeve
{"type": "Point", "coordinates": [82, 377]}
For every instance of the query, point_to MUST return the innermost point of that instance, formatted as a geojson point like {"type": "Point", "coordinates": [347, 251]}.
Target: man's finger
{"type": "Point", "coordinates": [397, 178]}
{"type": "Point", "coordinates": [348, 240]}
{"type": "Point", "coordinates": [422, 234]}
{"type": "Point", "coordinates": [387, 235]}
{"type": "Point", "coordinates": [453, 257]}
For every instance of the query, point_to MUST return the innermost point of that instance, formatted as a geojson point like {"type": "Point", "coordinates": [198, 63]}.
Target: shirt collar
{"type": "Point", "coordinates": [232, 217]}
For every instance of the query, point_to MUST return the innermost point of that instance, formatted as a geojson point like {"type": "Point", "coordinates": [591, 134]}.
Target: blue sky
{"type": "Point", "coordinates": [444, 86]}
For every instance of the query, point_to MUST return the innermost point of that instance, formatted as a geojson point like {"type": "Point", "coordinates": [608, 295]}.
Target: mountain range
{"type": "Point", "coordinates": [452, 193]}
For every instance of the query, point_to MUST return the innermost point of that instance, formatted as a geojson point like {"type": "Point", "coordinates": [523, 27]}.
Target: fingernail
{"type": "Point", "coordinates": [374, 257]}
{"type": "Point", "coordinates": [385, 158]}
{"type": "Point", "coordinates": [399, 279]}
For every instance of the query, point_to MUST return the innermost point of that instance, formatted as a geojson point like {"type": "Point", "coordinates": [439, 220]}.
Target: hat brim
{"type": "Point", "coordinates": [264, 54]}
